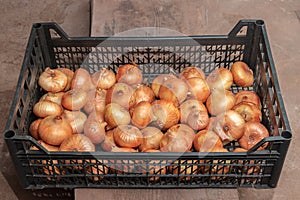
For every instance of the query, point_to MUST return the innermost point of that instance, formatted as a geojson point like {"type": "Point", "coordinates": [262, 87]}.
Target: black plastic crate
{"type": "Point", "coordinates": [49, 45]}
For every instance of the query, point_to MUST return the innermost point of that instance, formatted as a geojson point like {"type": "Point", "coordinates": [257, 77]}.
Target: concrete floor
{"type": "Point", "coordinates": [282, 18]}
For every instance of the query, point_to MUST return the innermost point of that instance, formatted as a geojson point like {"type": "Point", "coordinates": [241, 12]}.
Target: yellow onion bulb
{"type": "Point", "coordinates": [206, 141]}
{"type": "Point", "coordinates": [141, 114]}
{"type": "Point", "coordinates": [165, 114]}
{"type": "Point", "coordinates": [141, 93]}
{"type": "Point", "coordinates": [127, 136]}
{"type": "Point", "coordinates": [77, 143]}
{"type": "Point", "coordinates": [188, 106]}
{"type": "Point", "coordinates": [94, 129]}
{"type": "Point", "coordinates": [198, 119]}
{"type": "Point", "coordinates": [159, 80]}
{"type": "Point", "coordinates": [82, 80]}
{"type": "Point", "coordinates": [129, 74]}
{"type": "Point", "coordinates": [248, 96]}
{"type": "Point", "coordinates": [52, 80]}
{"type": "Point", "coordinates": [46, 108]}
{"type": "Point", "coordinates": [74, 99]}
{"type": "Point", "coordinates": [174, 90]}
{"type": "Point", "coordinates": [151, 139]}
{"type": "Point", "coordinates": [248, 111]}
{"type": "Point", "coordinates": [33, 129]}
{"type": "Point", "coordinates": [198, 89]}
{"type": "Point", "coordinates": [54, 97]}
{"type": "Point", "coordinates": [242, 74]}
{"type": "Point", "coordinates": [119, 93]}
{"type": "Point", "coordinates": [76, 119]}
{"type": "Point", "coordinates": [69, 73]}
{"type": "Point", "coordinates": [220, 78]}
{"type": "Point", "coordinates": [54, 130]}
{"type": "Point", "coordinates": [192, 72]}
{"type": "Point", "coordinates": [229, 126]}
{"type": "Point", "coordinates": [104, 79]}
{"type": "Point", "coordinates": [220, 101]}
{"type": "Point", "coordinates": [116, 115]}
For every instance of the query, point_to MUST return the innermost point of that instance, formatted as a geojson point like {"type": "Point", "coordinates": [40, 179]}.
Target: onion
{"type": "Point", "coordinates": [69, 73]}
{"type": "Point", "coordinates": [174, 90]}
{"type": "Point", "coordinates": [141, 93]}
{"type": "Point", "coordinates": [229, 126]}
{"type": "Point", "coordinates": [192, 72]}
{"type": "Point", "coordinates": [94, 129]}
{"type": "Point", "coordinates": [76, 119]}
{"type": "Point", "coordinates": [242, 74]}
{"type": "Point", "coordinates": [159, 80]}
{"type": "Point", "coordinates": [52, 80]}
{"type": "Point", "coordinates": [198, 119]}
{"type": "Point", "coordinates": [96, 102]}
{"type": "Point", "coordinates": [46, 108]}
{"type": "Point", "coordinates": [124, 149]}
{"type": "Point", "coordinates": [141, 114]}
{"type": "Point", "coordinates": [165, 114]}
{"type": "Point", "coordinates": [78, 143]}
{"type": "Point", "coordinates": [116, 115]}
{"type": "Point", "coordinates": [206, 141]}
{"type": "Point", "coordinates": [247, 96]}
{"type": "Point", "coordinates": [220, 78]}
{"type": "Point", "coordinates": [254, 133]}
{"type": "Point", "coordinates": [178, 138]}
{"type": "Point", "coordinates": [119, 93]}
{"type": "Point", "coordinates": [220, 101]}
{"type": "Point", "coordinates": [151, 139]}
{"type": "Point", "coordinates": [198, 89]}
{"type": "Point", "coordinates": [108, 143]}
{"type": "Point", "coordinates": [248, 111]}
{"type": "Point", "coordinates": [104, 78]}
{"type": "Point", "coordinates": [74, 99]}
{"type": "Point", "coordinates": [54, 97]}
{"type": "Point", "coordinates": [82, 80]}
{"type": "Point", "coordinates": [47, 146]}
{"type": "Point", "coordinates": [33, 129]}
{"type": "Point", "coordinates": [129, 74]}
{"type": "Point", "coordinates": [188, 106]}
{"type": "Point", "coordinates": [127, 136]}
{"type": "Point", "coordinates": [54, 129]}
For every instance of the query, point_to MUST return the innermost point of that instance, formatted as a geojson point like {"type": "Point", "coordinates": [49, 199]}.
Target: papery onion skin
{"type": "Point", "coordinates": [174, 90]}
{"type": "Point", "coordinates": [247, 96]}
{"type": "Point", "coordinates": [96, 102]}
{"type": "Point", "coordinates": [119, 93]}
{"type": "Point", "coordinates": [220, 101]}
{"type": "Point", "coordinates": [165, 114]}
{"type": "Point", "coordinates": [242, 74]}
{"type": "Point", "coordinates": [198, 89]}
{"type": "Point", "coordinates": [46, 108]}
{"type": "Point", "coordinates": [229, 126]}
{"type": "Point", "coordinates": [82, 80]}
{"type": "Point", "coordinates": [220, 78]}
{"type": "Point", "coordinates": [178, 138]}
{"type": "Point", "coordinates": [47, 146]}
{"type": "Point", "coordinates": [77, 143]}
{"type": "Point", "coordinates": [198, 119]}
{"type": "Point", "coordinates": [33, 129]}
{"type": "Point", "coordinates": [74, 99]}
{"type": "Point", "coordinates": [191, 72]}
{"type": "Point", "coordinates": [129, 74]}
{"type": "Point", "coordinates": [248, 111]}
{"type": "Point", "coordinates": [151, 139]}
{"type": "Point", "coordinates": [159, 80]}
{"type": "Point", "coordinates": [108, 143]}
{"type": "Point", "coordinates": [104, 79]}
{"type": "Point", "coordinates": [69, 73]}
{"type": "Point", "coordinates": [188, 106]}
{"type": "Point", "coordinates": [141, 114]}
{"type": "Point", "coordinates": [141, 93]}
{"type": "Point", "coordinates": [54, 97]}
{"type": "Point", "coordinates": [94, 130]}
{"type": "Point", "coordinates": [52, 80]}
{"type": "Point", "coordinates": [127, 136]}
{"type": "Point", "coordinates": [254, 132]}
{"type": "Point", "coordinates": [54, 130]}
{"type": "Point", "coordinates": [76, 119]}
{"type": "Point", "coordinates": [116, 115]}
{"type": "Point", "coordinates": [206, 141]}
